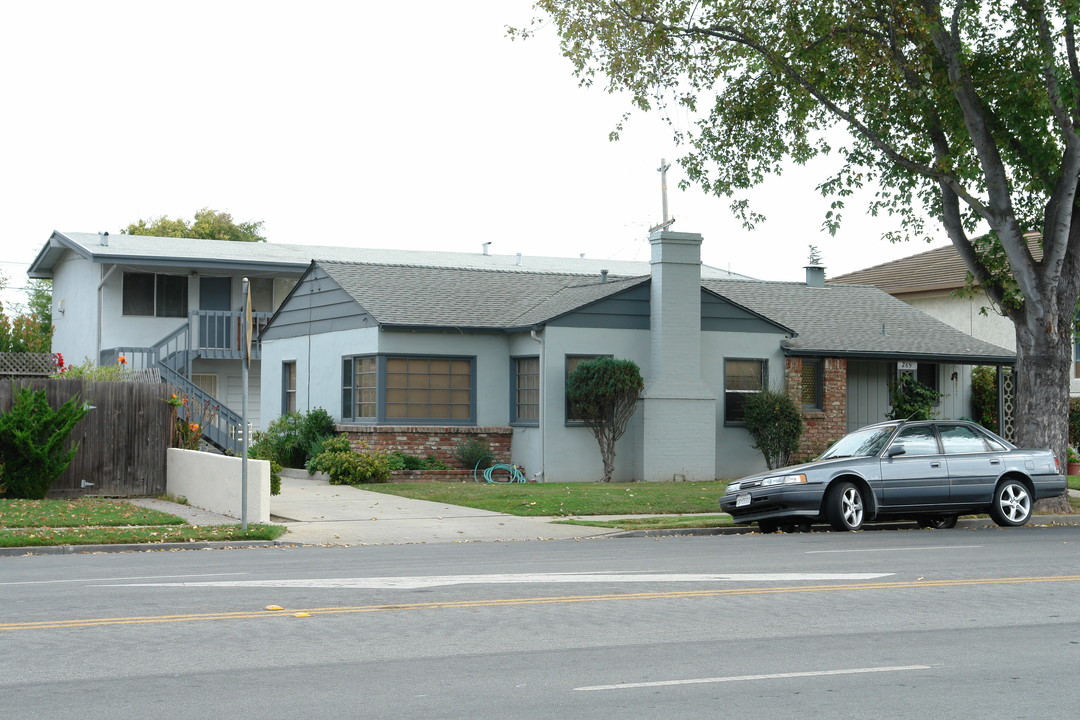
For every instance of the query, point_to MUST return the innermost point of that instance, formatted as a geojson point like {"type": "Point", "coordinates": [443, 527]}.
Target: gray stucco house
{"type": "Point", "coordinates": [174, 304]}
{"type": "Point", "coordinates": [408, 346]}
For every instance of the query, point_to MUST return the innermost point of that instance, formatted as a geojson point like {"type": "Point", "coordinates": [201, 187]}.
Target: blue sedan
{"type": "Point", "coordinates": [931, 471]}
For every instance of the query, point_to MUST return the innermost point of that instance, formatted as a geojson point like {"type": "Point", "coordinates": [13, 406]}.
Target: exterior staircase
{"type": "Point", "coordinates": [206, 334]}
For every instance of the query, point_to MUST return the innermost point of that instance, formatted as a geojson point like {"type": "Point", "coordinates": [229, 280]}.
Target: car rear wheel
{"type": "Point", "coordinates": [1012, 504]}
{"type": "Point", "coordinates": [938, 522]}
{"type": "Point", "coordinates": [768, 526]}
{"type": "Point", "coordinates": [844, 507]}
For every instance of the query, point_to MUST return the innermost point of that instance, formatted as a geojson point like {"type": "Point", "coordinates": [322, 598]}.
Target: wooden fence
{"type": "Point", "coordinates": [122, 440]}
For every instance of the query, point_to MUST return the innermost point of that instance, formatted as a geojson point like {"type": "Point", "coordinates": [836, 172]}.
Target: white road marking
{"type": "Point", "coordinates": [742, 678]}
{"type": "Point", "coordinates": [892, 549]}
{"type": "Point", "coordinates": [409, 583]}
{"type": "Point", "coordinates": [134, 577]}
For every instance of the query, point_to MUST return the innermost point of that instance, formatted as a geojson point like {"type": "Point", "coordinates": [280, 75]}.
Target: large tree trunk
{"type": "Point", "coordinates": [1044, 360]}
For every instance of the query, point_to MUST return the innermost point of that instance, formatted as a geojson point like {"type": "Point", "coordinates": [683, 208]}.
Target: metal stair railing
{"type": "Point", "coordinates": [221, 427]}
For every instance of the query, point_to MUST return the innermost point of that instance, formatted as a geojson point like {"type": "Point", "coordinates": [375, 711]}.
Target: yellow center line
{"type": "Point", "coordinates": [500, 602]}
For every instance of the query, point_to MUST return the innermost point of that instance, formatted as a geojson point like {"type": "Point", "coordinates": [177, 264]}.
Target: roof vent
{"type": "Point", "coordinates": [486, 245]}
{"type": "Point", "coordinates": [518, 261]}
{"type": "Point", "coordinates": [103, 238]}
{"type": "Point", "coordinates": [603, 276]}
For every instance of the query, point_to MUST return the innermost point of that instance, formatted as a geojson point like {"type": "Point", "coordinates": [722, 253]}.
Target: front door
{"type": "Point", "coordinates": [215, 294]}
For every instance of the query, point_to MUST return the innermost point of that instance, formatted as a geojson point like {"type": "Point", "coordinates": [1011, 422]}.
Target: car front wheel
{"type": "Point", "coordinates": [1012, 504]}
{"type": "Point", "coordinates": [844, 507]}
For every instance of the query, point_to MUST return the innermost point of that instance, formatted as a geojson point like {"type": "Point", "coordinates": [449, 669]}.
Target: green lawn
{"type": "Point", "coordinates": [90, 521]}
{"type": "Point", "coordinates": [1074, 482]}
{"type": "Point", "coordinates": [563, 499]}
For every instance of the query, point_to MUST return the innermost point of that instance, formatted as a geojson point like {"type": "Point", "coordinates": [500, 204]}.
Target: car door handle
{"type": "Point", "coordinates": [995, 461]}
{"type": "Point", "coordinates": [935, 464]}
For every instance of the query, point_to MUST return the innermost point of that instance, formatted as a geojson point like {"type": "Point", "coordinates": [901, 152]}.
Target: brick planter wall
{"type": "Point", "coordinates": [821, 428]}
{"type": "Point", "coordinates": [439, 441]}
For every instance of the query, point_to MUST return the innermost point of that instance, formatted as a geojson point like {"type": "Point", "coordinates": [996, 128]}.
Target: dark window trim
{"type": "Point", "coordinates": [285, 390]}
{"type": "Point", "coordinates": [380, 418]}
{"type": "Point", "coordinates": [764, 384]}
{"type": "Point", "coordinates": [157, 294]}
{"type": "Point", "coordinates": [514, 419]}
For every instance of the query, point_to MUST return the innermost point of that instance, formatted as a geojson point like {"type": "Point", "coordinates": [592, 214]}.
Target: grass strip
{"type": "Point", "coordinates": [562, 499]}
{"type": "Point", "coordinates": [39, 537]}
{"type": "Point", "coordinates": [83, 512]}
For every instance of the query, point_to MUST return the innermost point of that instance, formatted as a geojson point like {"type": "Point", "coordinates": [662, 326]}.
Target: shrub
{"type": "Point", "coordinates": [911, 400]}
{"type": "Point", "coordinates": [347, 467]}
{"type": "Point", "coordinates": [775, 423]}
{"type": "Point", "coordinates": [984, 398]}
{"type": "Point", "coordinates": [90, 370]}
{"type": "Point", "coordinates": [281, 441]}
{"type": "Point", "coordinates": [32, 442]}
{"type": "Point", "coordinates": [275, 478]}
{"type": "Point", "coordinates": [1074, 422]}
{"type": "Point", "coordinates": [289, 438]}
{"type": "Point", "coordinates": [471, 452]}
{"type": "Point", "coordinates": [317, 425]}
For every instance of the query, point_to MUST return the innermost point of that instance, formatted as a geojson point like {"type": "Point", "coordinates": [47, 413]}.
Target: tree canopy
{"type": "Point", "coordinates": [963, 112]}
{"type": "Point", "coordinates": [28, 329]}
{"type": "Point", "coordinates": [208, 225]}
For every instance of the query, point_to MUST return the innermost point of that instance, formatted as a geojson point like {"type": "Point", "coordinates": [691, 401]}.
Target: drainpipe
{"type": "Point", "coordinates": [540, 406]}
{"type": "Point", "coordinates": [100, 301]}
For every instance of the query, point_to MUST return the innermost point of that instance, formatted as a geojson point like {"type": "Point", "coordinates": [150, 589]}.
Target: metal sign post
{"type": "Point", "coordinates": [245, 344]}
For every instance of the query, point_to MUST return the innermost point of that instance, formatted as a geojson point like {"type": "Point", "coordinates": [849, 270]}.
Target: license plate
{"type": "Point", "coordinates": [742, 500]}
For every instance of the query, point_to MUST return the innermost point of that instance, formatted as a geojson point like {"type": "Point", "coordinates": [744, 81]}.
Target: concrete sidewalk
{"type": "Point", "coordinates": [316, 512]}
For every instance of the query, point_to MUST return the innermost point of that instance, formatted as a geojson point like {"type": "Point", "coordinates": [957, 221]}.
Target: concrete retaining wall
{"type": "Point", "coordinates": [213, 482]}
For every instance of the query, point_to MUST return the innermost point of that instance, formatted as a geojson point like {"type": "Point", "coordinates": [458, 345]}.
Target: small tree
{"type": "Point", "coordinates": [911, 400]}
{"type": "Point", "coordinates": [33, 439]}
{"type": "Point", "coordinates": [776, 425]}
{"type": "Point", "coordinates": [603, 394]}
{"type": "Point", "coordinates": [984, 397]}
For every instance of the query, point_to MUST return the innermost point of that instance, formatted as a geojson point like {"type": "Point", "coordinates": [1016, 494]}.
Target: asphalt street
{"type": "Point", "coordinates": [955, 623]}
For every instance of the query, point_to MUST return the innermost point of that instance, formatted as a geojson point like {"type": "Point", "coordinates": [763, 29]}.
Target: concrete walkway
{"type": "Point", "coordinates": [319, 513]}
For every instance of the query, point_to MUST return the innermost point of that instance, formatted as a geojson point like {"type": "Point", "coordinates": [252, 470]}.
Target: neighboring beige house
{"type": "Point", "coordinates": [930, 281]}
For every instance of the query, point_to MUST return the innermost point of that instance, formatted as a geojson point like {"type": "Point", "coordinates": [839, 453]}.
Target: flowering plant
{"type": "Point", "coordinates": [1073, 456]}
{"type": "Point", "coordinates": [58, 359]}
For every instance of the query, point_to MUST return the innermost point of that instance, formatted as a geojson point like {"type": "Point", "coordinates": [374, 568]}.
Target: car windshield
{"type": "Point", "coordinates": [861, 443]}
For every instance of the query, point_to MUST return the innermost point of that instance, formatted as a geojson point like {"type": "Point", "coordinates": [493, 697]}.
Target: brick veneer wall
{"type": "Point", "coordinates": [821, 428]}
{"type": "Point", "coordinates": [439, 441]}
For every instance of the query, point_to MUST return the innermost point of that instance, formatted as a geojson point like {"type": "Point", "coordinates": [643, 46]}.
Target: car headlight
{"type": "Point", "coordinates": [732, 488]}
{"type": "Point", "coordinates": [784, 480]}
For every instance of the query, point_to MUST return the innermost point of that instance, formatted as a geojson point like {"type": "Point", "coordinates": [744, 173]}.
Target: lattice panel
{"type": "Point", "coordinates": [1008, 405]}
{"type": "Point", "coordinates": [27, 364]}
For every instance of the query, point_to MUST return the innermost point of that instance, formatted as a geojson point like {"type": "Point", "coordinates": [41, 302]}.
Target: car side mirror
{"type": "Point", "coordinates": [895, 450]}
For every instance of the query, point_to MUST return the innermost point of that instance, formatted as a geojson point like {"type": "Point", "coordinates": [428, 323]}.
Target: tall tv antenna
{"type": "Point", "coordinates": [668, 221]}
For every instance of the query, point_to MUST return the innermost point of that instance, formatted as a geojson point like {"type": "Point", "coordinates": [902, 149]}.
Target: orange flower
{"type": "Point", "coordinates": [193, 427]}
{"type": "Point", "coordinates": [122, 360]}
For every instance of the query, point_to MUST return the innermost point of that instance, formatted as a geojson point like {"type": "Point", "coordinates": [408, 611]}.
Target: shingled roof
{"type": "Point", "coordinates": [856, 321]}
{"type": "Point", "coordinates": [467, 298]}
{"type": "Point", "coordinates": [935, 270]}
{"type": "Point", "coordinates": [834, 321]}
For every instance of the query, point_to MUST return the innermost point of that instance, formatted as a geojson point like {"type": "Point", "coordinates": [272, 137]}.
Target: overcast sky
{"type": "Point", "coordinates": [408, 125]}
